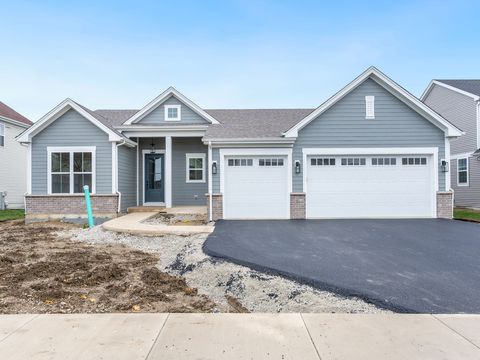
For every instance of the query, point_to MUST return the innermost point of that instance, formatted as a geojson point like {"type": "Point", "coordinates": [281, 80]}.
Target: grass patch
{"type": "Point", "coordinates": [12, 214]}
{"type": "Point", "coordinates": [466, 214]}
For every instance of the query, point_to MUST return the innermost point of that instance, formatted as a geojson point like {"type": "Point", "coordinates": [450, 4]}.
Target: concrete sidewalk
{"type": "Point", "coordinates": [239, 336]}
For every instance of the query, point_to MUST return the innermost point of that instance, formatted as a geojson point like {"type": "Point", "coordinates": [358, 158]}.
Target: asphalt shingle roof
{"type": "Point", "coordinates": [234, 123]}
{"type": "Point", "coordinates": [7, 112]}
{"type": "Point", "coordinates": [472, 86]}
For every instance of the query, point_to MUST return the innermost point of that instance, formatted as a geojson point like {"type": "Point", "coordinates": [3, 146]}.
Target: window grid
{"type": "Point", "coordinates": [462, 172]}
{"type": "Point", "coordinates": [414, 161]}
{"type": "Point", "coordinates": [353, 161]}
{"type": "Point", "coordinates": [270, 162]}
{"type": "Point", "coordinates": [240, 162]}
{"type": "Point", "coordinates": [322, 162]}
{"type": "Point", "coordinates": [195, 168]}
{"type": "Point", "coordinates": [70, 171]}
{"type": "Point", "coordinates": [384, 161]}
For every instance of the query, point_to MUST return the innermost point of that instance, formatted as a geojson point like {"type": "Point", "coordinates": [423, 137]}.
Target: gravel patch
{"type": "Point", "coordinates": [177, 219]}
{"type": "Point", "coordinates": [221, 280]}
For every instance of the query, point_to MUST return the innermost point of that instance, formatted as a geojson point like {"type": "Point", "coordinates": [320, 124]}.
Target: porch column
{"type": "Point", "coordinates": [168, 171]}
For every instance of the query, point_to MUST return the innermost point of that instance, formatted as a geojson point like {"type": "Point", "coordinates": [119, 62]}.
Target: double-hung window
{"type": "Point", "coordinates": [195, 168]}
{"type": "Point", "coordinates": [70, 169]}
{"type": "Point", "coordinates": [2, 135]}
{"type": "Point", "coordinates": [462, 172]}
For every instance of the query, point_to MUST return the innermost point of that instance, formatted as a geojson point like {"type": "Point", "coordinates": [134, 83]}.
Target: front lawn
{"type": "Point", "coordinates": [12, 214]}
{"type": "Point", "coordinates": [466, 214]}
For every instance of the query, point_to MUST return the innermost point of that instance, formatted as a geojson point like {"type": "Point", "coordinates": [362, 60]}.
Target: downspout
{"type": "Point", "coordinates": [210, 196]}
{"type": "Point", "coordinates": [116, 178]}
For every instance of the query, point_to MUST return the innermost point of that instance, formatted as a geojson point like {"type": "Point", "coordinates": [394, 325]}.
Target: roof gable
{"type": "Point", "coordinates": [470, 88]}
{"type": "Point", "coordinates": [61, 109]}
{"type": "Point", "coordinates": [161, 99]}
{"type": "Point", "coordinates": [8, 113]}
{"type": "Point", "coordinates": [395, 89]}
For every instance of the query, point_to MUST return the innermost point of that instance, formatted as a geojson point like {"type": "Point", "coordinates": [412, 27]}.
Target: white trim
{"type": "Point", "coordinates": [161, 98]}
{"type": "Point", "coordinates": [449, 87]}
{"type": "Point", "coordinates": [258, 142]}
{"type": "Point", "coordinates": [164, 133]}
{"type": "Point", "coordinates": [369, 107]}
{"type": "Point", "coordinates": [162, 127]}
{"type": "Point", "coordinates": [462, 155]}
{"type": "Point", "coordinates": [168, 171]}
{"type": "Point", "coordinates": [2, 126]}
{"type": "Point", "coordinates": [71, 150]}
{"type": "Point", "coordinates": [138, 170]}
{"type": "Point", "coordinates": [433, 151]}
{"type": "Point", "coordinates": [448, 185]}
{"type": "Point", "coordinates": [210, 185]}
{"type": "Point", "coordinates": [179, 112]}
{"type": "Point", "coordinates": [478, 124]}
{"type": "Point", "coordinates": [14, 122]}
{"type": "Point", "coordinates": [29, 168]}
{"type": "Point", "coordinates": [390, 86]}
{"type": "Point", "coordinates": [256, 152]}
{"type": "Point", "coordinates": [467, 170]}
{"type": "Point", "coordinates": [154, 204]}
{"type": "Point", "coordinates": [144, 152]}
{"type": "Point", "coordinates": [57, 112]}
{"type": "Point", "coordinates": [114, 168]}
{"type": "Point", "coordinates": [189, 156]}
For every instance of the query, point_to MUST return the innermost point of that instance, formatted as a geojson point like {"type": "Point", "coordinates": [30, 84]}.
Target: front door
{"type": "Point", "coordinates": [154, 178]}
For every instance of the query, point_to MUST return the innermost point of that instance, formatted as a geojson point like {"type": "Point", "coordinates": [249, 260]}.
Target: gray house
{"type": "Point", "coordinates": [459, 102]}
{"type": "Point", "coordinates": [372, 150]}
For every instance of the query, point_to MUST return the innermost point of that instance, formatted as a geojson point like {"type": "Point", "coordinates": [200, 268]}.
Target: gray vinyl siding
{"type": "Point", "coordinates": [157, 115]}
{"type": "Point", "coordinates": [72, 129]}
{"type": "Point", "coordinates": [216, 177]}
{"type": "Point", "coordinates": [467, 196]}
{"type": "Point", "coordinates": [461, 111]}
{"type": "Point", "coordinates": [127, 179]}
{"type": "Point", "coordinates": [344, 125]}
{"type": "Point", "coordinates": [184, 193]}
{"type": "Point", "coordinates": [146, 144]}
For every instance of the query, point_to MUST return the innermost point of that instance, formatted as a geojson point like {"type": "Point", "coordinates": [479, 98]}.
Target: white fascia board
{"type": "Point", "coordinates": [150, 134]}
{"type": "Point", "coordinates": [58, 111]}
{"type": "Point", "coordinates": [14, 122]}
{"type": "Point", "coordinates": [250, 141]}
{"type": "Point", "coordinates": [390, 86]}
{"type": "Point", "coordinates": [160, 127]}
{"type": "Point", "coordinates": [162, 97]}
{"type": "Point", "coordinates": [449, 87]}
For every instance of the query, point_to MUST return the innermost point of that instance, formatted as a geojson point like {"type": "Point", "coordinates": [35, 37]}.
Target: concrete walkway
{"type": "Point", "coordinates": [133, 224]}
{"type": "Point", "coordinates": [239, 336]}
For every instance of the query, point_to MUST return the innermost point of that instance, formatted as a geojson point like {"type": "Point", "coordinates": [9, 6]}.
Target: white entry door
{"type": "Point", "coordinates": [374, 186]}
{"type": "Point", "coordinates": [256, 187]}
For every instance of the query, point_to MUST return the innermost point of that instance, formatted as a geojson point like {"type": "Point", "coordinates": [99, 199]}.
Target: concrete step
{"type": "Point", "coordinates": [134, 209]}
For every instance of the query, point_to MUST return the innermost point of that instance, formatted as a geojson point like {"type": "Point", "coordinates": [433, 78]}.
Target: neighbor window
{"type": "Point", "coordinates": [70, 171]}
{"type": "Point", "coordinates": [2, 134]}
{"type": "Point", "coordinates": [462, 172]}
{"type": "Point", "coordinates": [172, 112]}
{"type": "Point", "coordinates": [195, 168]}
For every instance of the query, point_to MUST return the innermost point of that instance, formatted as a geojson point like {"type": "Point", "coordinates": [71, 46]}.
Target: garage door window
{"type": "Point", "coordinates": [240, 162]}
{"type": "Point", "coordinates": [322, 162]}
{"type": "Point", "coordinates": [354, 161]}
{"type": "Point", "coordinates": [270, 162]}
{"type": "Point", "coordinates": [414, 161]}
{"type": "Point", "coordinates": [384, 161]}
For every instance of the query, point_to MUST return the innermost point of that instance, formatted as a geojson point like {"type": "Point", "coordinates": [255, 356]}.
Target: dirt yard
{"type": "Point", "coordinates": [41, 272]}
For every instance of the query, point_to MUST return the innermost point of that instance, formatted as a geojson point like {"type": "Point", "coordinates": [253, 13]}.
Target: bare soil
{"type": "Point", "coordinates": [177, 219]}
{"type": "Point", "coordinates": [41, 272]}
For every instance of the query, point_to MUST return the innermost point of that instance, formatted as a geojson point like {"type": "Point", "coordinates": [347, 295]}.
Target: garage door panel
{"type": "Point", "coordinates": [369, 191]}
{"type": "Point", "coordinates": [256, 192]}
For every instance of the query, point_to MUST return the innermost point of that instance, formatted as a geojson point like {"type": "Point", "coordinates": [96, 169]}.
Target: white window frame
{"type": "Point", "coordinates": [3, 134]}
{"type": "Point", "coordinates": [179, 114]}
{"type": "Point", "coordinates": [467, 170]}
{"type": "Point", "coordinates": [202, 156]}
{"type": "Point", "coordinates": [71, 150]}
{"type": "Point", "coordinates": [369, 107]}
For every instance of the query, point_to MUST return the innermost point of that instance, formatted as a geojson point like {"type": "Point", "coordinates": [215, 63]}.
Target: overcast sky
{"type": "Point", "coordinates": [225, 54]}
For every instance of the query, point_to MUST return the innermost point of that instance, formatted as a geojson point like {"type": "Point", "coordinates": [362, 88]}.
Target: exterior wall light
{"type": "Point", "coordinates": [298, 168]}
{"type": "Point", "coordinates": [214, 168]}
{"type": "Point", "coordinates": [444, 165]}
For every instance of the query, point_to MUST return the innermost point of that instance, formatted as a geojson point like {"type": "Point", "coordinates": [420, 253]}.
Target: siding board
{"type": "Point", "coordinates": [127, 180]}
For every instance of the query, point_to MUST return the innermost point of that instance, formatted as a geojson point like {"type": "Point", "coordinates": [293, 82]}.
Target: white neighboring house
{"type": "Point", "coordinates": [13, 156]}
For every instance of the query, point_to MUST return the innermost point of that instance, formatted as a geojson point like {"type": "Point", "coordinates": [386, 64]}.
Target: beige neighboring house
{"type": "Point", "coordinates": [13, 156]}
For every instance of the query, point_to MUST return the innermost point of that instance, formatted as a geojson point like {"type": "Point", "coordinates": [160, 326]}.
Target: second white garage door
{"type": "Point", "coordinates": [370, 186]}
{"type": "Point", "coordinates": [256, 187]}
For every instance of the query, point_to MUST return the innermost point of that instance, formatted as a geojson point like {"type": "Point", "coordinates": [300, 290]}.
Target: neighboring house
{"type": "Point", "coordinates": [458, 101]}
{"type": "Point", "coordinates": [13, 156]}
{"type": "Point", "coordinates": [372, 150]}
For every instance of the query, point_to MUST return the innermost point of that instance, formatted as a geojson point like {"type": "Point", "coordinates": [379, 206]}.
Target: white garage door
{"type": "Point", "coordinates": [256, 187]}
{"type": "Point", "coordinates": [370, 186]}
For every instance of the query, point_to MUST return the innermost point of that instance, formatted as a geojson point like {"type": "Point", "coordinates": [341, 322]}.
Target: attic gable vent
{"type": "Point", "coordinates": [369, 107]}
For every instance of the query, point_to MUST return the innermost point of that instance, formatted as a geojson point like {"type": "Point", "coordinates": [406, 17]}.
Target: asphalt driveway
{"type": "Point", "coordinates": [420, 265]}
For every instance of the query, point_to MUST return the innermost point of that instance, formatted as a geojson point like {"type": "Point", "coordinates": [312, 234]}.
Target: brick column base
{"type": "Point", "coordinates": [297, 206]}
{"type": "Point", "coordinates": [64, 206]}
{"type": "Point", "coordinates": [217, 206]}
{"type": "Point", "coordinates": [445, 205]}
